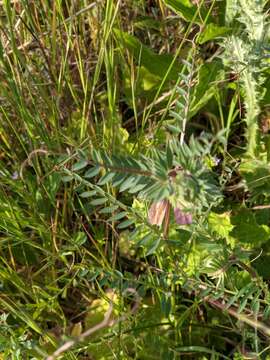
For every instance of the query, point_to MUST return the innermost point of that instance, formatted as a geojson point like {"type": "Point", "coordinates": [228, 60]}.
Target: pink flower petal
{"type": "Point", "coordinates": [181, 217]}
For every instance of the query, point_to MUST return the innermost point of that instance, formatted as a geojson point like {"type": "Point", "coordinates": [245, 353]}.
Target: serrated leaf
{"type": "Point", "coordinates": [220, 223]}
{"type": "Point", "coordinates": [79, 165]}
{"type": "Point", "coordinates": [256, 175]}
{"type": "Point", "coordinates": [92, 172]}
{"type": "Point", "coordinates": [99, 201]}
{"type": "Point", "coordinates": [247, 231]}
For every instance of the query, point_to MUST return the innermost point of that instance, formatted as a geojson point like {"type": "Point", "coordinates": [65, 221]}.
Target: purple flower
{"type": "Point", "coordinates": [182, 218]}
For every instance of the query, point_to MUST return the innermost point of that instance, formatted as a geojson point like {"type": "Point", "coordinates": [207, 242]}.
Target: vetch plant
{"type": "Point", "coordinates": [178, 177]}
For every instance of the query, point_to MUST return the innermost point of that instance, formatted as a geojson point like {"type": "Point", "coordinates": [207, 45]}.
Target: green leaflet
{"type": "Point", "coordinates": [106, 178]}
{"type": "Point", "coordinates": [109, 209]}
{"type": "Point", "coordinates": [87, 194]}
{"type": "Point", "coordinates": [118, 216]}
{"type": "Point", "coordinates": [79, 165]}
{"type": "Point", "coordinates": [125, 224]}
{"type": "Point", "coordinates": [99, 201]}
{"type": "Point", "coordinates": [92, 172]}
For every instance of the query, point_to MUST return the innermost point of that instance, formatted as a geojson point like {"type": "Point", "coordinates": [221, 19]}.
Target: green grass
{"type": "Point", "coordinates": [99, 102]}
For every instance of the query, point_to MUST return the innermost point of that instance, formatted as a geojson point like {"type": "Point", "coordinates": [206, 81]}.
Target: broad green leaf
{"type": "Point", "coordinates": [146, 80]}
{"type": "Point", "coordinates": [209, 75]}
{"type": "Point", "coordinates": [220, 223]}
{"type": "Point", "coordinates": [186, 10]}
{"type": "Point", "coordinates": [213, 31]}
{"type": "Point", "coordinates": [156, 64]}
{"type": "Point", "coordinates": [256, 174]}
{"type": "Point", "coordinates": [52, 183]}
{"type": "Point", "coordinates": [262, 265]}
{"type": "Point", "coordinates": [247, 231]}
